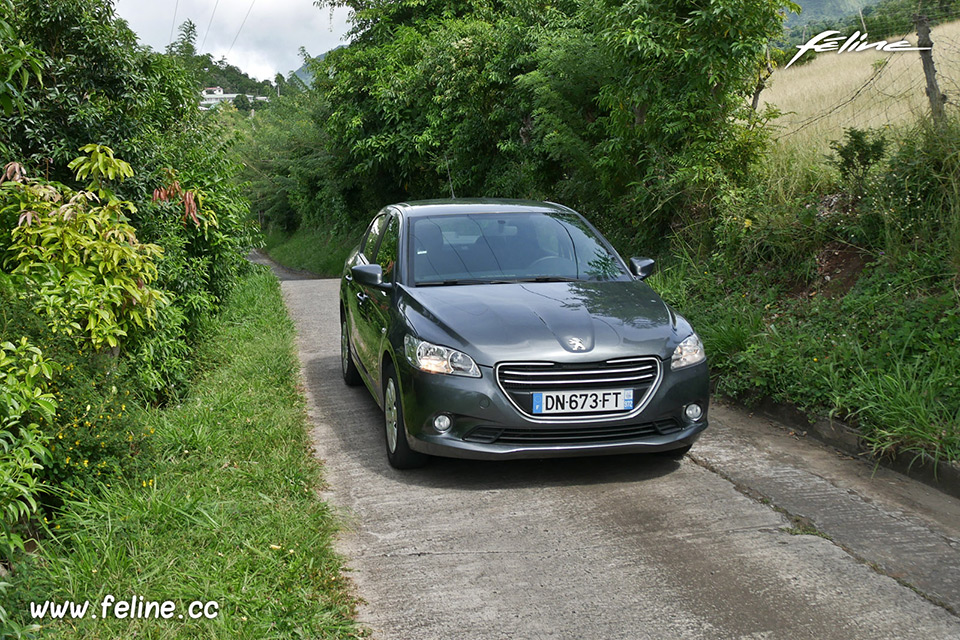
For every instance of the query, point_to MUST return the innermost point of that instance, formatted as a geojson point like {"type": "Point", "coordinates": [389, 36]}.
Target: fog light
{"type": "Point", "coordinates": [442, 423]}
{"type": "Point", "coordinates": [693, 411]}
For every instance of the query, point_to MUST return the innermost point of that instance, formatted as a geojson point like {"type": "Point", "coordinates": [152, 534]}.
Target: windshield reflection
{"type": "Point", "coordinates": [509, 247]}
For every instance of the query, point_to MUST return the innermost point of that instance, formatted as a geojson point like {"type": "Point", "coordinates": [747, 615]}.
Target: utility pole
{"type": "Point", "coordinates": [926, 56]}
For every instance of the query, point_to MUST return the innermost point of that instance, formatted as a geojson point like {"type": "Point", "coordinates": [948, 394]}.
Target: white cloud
{"type": "Point", "coordinates": [268, 43]}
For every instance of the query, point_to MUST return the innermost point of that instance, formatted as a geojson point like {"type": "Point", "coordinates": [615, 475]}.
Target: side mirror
{"type": "Point", "coordinates": [368, 274]}
{"type": "Point", "coordinates": [642, 268]}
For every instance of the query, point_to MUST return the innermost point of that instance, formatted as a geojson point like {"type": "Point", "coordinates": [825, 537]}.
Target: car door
{"type": "Point", "coordinates": [375, 313]}
{"type": "Point", "coordinates": [358, 323]}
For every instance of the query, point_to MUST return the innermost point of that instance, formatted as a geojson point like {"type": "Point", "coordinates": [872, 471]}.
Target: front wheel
{"type": "Point", "coordinates": [399, 453]}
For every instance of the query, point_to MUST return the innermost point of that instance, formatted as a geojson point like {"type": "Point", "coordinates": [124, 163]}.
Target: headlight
{"type": "Point", "coordinates": [689, 352]}
{"type": "Point", "coordinates": [436, 359]}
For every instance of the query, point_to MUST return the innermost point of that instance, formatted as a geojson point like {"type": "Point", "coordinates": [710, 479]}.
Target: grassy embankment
{"type": "Point", "coordinates": [837, 297]}
{"type": "Point", "coordinates": [226, 511]}
{"type": "Point", "coordinates": [318, 252]}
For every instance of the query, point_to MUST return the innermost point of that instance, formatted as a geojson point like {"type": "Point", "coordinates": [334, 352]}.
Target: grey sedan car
{"type": "Point", "coordinates": [498, 329]}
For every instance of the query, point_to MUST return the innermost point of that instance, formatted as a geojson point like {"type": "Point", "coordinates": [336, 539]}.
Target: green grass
{"type": "Point", "coordinates": [227, 511]}
{"type": "Point", "coordinates": [318, 252]}
{"type": "Point", "coordinates": [884, 355]}
{"type": "Point", "coordinates": [840, 298]}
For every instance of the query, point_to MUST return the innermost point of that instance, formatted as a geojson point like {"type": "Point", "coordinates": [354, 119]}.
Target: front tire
{"type": "Point", "coordinates": [399, 453]}
{"type": "Point", "coordinates": [351, 376]}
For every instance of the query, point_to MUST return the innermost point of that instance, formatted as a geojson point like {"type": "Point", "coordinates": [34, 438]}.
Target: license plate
{"type": "Point", "coordinates": [583, 401]}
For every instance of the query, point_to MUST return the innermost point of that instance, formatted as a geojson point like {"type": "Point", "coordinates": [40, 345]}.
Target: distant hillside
{"type": "Point", "coordinates": [304, 73]}
{"type": "Point", "coordinates": [213, 73]}
{"type": "Point", "coordinates": [306, 77]}
{"type": "Point", "coordinates": [826, 10]}
{"type": "Point", "coordinates": [220, 73]}
{"type": "Point", "coordinates": [884, 19]}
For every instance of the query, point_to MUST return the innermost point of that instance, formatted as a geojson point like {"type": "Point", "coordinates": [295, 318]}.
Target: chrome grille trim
{"type": "Point", "coordinates": [647, 367]}
{"type": "Point", "coordinates": [579, 382]}
{"type": "Point", "coordinates": [504, 373]}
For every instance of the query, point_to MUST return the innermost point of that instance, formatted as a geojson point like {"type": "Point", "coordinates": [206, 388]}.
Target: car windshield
{"type": "Point", "coordinates": [509, 247]}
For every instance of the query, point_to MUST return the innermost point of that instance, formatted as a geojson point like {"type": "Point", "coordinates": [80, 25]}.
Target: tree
{"type": "Point", "coordinates": [21, 64]}
{"type": "Point", "coordinates": [242, 102]}
{"type": "Point", "coordinates": [102, 87]}
{"type": "Point", "coordinates": [634, 111]}
{"type": "Point", "coordinates": [185, 46]}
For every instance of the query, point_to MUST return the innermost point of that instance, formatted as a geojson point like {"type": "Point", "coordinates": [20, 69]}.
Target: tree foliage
{"type": "Point", "coordinates": [83, 268]}
{"type": "Point", "coordinates": [98, 85]}
{"type": "Point", "coordinates": [630, 110]}
{"type": "Point", "coordinates": [95, 273]}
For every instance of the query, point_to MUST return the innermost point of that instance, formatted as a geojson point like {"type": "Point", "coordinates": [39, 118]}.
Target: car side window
{"type": "Point", "coordinates": [372, 236]}
{"type": "Point", "coordinates": [389, 246]}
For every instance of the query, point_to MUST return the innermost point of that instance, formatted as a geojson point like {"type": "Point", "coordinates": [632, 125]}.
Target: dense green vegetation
{"type": "Point", "coordinates": [843, 301]}
{"type": "Point", "coordinates": [224, 510]}
{"type": "Point", "coordinates": [587, 103]}
{"type": "Point", "coordinates": [122, 236]}
{"type": "Point", "coordinates": [309, 250]}
{"type": "Point", "coordinates": [829, 283]}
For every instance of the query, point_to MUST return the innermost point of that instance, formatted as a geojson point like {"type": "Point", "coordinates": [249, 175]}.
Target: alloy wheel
{"type": "Point", "coordinates": [390, 414]}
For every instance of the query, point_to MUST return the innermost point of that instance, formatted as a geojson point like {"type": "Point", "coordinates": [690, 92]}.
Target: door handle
{"type": "Point", "coordinates": [361, 296]}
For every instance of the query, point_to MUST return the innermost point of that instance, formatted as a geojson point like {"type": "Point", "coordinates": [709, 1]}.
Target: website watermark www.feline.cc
{"type": "Point", "coordinates": [134, 608]}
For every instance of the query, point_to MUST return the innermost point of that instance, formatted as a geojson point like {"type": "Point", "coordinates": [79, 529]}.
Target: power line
{"type": "Point", "coordinates": [253, 2]}
{"type": "Point", "coordinates": [213, 13]}
{"type": "Point", "coordinates": [173, 22]}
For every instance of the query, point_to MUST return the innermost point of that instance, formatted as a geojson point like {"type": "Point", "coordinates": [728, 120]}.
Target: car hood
{"type": "Point", "coordinates": [555, 321]}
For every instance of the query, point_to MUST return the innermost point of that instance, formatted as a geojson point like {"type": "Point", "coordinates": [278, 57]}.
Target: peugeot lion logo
{"type": "Point", "coordinates": [576, 344]}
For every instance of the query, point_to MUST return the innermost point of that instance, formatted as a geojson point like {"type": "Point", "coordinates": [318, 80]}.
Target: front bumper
{"type": "Point", "coordinates": [479, 411]}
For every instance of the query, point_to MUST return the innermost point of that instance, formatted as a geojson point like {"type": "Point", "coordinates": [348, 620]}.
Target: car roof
{"type": "Point", "coordinates": [454, 206]}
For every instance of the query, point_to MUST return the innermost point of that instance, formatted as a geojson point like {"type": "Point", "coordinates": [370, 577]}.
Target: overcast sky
{"type": "Point", "coordinates": [267, 44]}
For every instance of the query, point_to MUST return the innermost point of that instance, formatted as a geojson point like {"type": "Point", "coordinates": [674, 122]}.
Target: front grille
{"type": "Point", "coordinates": [572, 435]}
{"type": "Point", "coordinates": [520, 380]}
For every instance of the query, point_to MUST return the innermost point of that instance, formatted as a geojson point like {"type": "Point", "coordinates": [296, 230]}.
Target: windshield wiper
{"type": "Point", "coordinates": [550, 279]}
{"type": "Point", "coordinates": [454, 282]}
{"type": "Point", "coordinates": [463, 281]}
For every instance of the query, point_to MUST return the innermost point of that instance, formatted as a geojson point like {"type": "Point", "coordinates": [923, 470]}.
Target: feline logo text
{"type": "Point", "coordinates": [830, 41]}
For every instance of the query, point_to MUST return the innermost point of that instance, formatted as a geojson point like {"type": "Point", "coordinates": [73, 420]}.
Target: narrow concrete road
{"type": "Point", "coordinates": [715, 546]}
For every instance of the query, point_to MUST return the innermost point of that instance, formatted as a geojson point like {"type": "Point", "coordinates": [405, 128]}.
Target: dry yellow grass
{"type": "Point", "coordinates": [836, 91]}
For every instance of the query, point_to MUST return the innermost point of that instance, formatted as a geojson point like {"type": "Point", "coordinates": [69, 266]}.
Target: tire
{"type": "Point", "coordinates": [351, 376]}
{"type": "Point", "coordinates": [399, 453]}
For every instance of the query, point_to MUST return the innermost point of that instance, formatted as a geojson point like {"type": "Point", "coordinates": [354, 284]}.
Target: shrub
{"type": "Point", "coordinates": [96, 437]}
{"type": "Point", "coordinates": [916, 202]}
{"type": "Point", "coordinates": [84, 387]}
{"type": "Point", "coordinates": [24, 402]}
{"type": "Point", "coordinates": [859, 151]}
{"type": "Point", "coordinates": [82, 266]}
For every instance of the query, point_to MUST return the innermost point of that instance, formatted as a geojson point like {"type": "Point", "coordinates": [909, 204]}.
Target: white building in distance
{"type": "Point", "coordinates": [212, 96]}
